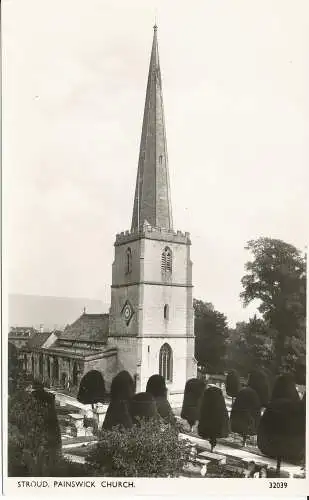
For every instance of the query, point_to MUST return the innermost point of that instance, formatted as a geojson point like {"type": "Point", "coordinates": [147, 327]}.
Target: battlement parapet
{"type": "Point", "coordinates": [153, 233]}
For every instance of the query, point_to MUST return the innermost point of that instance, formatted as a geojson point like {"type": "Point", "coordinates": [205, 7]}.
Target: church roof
{"type": "Point", "coordinates": [88, 327]}
{"type": "Point", "coordinates": [152, 201]}
{"type": "Point", "coordinates": [38, 340]}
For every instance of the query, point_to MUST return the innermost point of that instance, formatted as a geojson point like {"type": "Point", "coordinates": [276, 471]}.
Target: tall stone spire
{"type": "Point", "coordinates": [152, 202]}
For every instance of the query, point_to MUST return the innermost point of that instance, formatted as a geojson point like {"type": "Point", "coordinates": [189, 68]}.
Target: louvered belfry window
{"type": "Point", "coordinates": [128, 260]}
{"type": "Point", "coordinates": [166, 362]}
{"type": "Point", "coordinates": [167, 261]}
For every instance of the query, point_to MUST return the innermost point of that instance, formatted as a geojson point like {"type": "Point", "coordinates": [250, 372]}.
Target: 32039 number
{"type": "Point", "coordinates": [278, 484]}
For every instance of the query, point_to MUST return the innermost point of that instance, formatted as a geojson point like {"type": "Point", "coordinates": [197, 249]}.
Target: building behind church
{"type": "Point", "coordinates": [150, 326]}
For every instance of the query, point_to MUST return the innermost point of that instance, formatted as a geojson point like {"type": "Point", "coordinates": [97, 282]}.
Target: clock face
{"type": "Point", "coordinates": [127, 312]}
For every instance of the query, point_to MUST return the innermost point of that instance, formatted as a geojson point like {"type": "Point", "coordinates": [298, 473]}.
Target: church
{"type": "Point", "coordinates": [150, 325]}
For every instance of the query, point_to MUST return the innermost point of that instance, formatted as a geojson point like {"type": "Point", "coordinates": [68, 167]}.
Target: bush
{"type": "Point", "coordinates": [34, 442]}
{"type": "Point", "coordinates": [192, 399]}
{"type": "Point", "coordinates": [92, 388]}
{"type": "Point", "coordinates": [122, 390]}
{"type": "Point", "coordinates": [214, 419]}
{"type": "Point", "coordinates": [144, 450]}
{"type": "Point", "coordinates": [245, 414]}
{"type": "Point", "coordinates": [117, 415]}
{"type": "Point", "coordinates": [258, 381]}
{"type": "Point", "coordinates": [157, 388]}
{"type": "Point", "coordinates": [281, 433]}
{"type": "Point", "coordinates": [232, 383]}
{"type": "Point", "coordinates": [143, 406]}
{"type": "Point", "coordinates": [285, 388]}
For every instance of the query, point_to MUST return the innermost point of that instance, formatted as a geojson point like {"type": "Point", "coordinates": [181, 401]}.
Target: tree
{"type": "Point", "coordinates": [277, 279]}
{"type": "Point", "coordinates": [122, 386]}
{"type": "Point", "coordinates": [157, 388]}
{"type": "Point", "coordinates": [232, 383]}
{"type": "Point", "coordinates": [192, 399]}
{"type": "Point", "coordinates": [214, 419]}
{"type": "Point", "coordinates": [211, 334]}
{"type": "Point", "coordinates": [92, 388]}
{"type": "Point", "coordinates": [250, 346]}
{"type": "Point", "coordinates": [143, 406]}
{"type": "Point", "coordinates": [245, 414]}
{"type": "Point", "coordinates": [122, 390]}
{"type": "Point", "coordinates": [285, 388]}
{"type": "Point", "coordinates": [281, 433]}
{"type": "Point", "coordinates": [259, 382]}
{"type": "Point", "coordinates": [145, 450]}
{"type": "Point", "coordinates": [34, 442]}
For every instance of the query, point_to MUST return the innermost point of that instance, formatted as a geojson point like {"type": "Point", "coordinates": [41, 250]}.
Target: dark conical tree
{"type": "Point", "coordinates": [192, 400]}
{"type": "Point", "coordinates": [122, 386]}
{"type": "Point", "coordinates": [143, 406]}
{"type": "Point", "coordinates": [285, 388]}
{"type": "Point", "coordinates": [214, 419]}
{"type": "Point", "coordinates": [259, 382]}
{"type": "Point", "coordinates": [282, 429]}
{"type": "Point", "coordinates": [92, 388]}
{"type": "Point", "coordinates": [245, 414]}
{"type": "Point", "coordinates": [157, 388]}
{"type": "Point", "coordinates": [232, 384]}
{"type": "Point", "coordinates": [122, 390]}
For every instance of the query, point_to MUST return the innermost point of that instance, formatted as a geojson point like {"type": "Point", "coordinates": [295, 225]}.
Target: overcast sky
{"type": "Point", "coordinates": [235, 86]}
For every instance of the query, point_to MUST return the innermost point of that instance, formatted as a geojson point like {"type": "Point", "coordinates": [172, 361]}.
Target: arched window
{"type": "Point", "coordinates": [166, 261]}
{"type": "Point", "coordinates": [166, 362]}
{"type": "Point", "coordinates": [128, 261]}
{"type": "Point", "coordinates": [160, 159]}
{"type": "Point", "coordinates": [166, 311]}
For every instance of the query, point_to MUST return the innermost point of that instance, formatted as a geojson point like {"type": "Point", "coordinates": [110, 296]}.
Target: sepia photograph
{"type": "Point", "coordinates": [155, 218]}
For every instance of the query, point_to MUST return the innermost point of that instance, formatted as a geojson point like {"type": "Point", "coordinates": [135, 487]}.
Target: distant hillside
{"type": "Point", "coordinates": [51, 312]}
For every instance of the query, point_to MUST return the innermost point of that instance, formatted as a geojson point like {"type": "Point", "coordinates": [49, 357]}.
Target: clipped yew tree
{"type": "Point", "coordinates": [214, 419]}
{"type": "Point", "coordinates": [122, 390]}
{"type": "Point", "coordinates": [144, 450]}
{"type": "Point", "coordinates": [232, 383]}
{"type": "Point", "coordinates": [92, 388]}
{"type": "Point", "coordinates": [259, 382]}
{"type": "Point", "coordinates": [34, 440]}
{"type": "Point", "coordinates": [143, 406]}
{"type": "Point", "coordinates": [285, 388]}
{"type": "Point", "coordinates": [281, 433]}
{"type": "Point", "coordinates": [192, 398]}
{"type": "Point", "coordinates": [245, 414]}
{"type": "Point", "coordinates": [157, 388]}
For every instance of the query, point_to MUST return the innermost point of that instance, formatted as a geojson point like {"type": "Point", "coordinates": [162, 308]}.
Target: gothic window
{"type": "Point", "coordinates": [160, 159]}
{"type": "Point", "coordinates": [166, 362]}
{"type": "Point", "coordinates": [166, 311]}
{"type": "Point", "coordinates": [128, 261]}
{"type": "Point", "coordinates": [166, 261]}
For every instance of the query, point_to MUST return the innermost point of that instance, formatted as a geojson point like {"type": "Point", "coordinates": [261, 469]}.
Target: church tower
{"type": "Point", "coordinates": [151, 315]}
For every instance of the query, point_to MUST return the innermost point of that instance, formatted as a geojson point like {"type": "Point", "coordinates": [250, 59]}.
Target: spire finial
{"type": "Point", "coordinates": [155, 24]}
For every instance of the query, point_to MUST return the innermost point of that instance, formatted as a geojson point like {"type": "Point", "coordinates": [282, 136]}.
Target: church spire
{"type": "Point", "coordinates": [152, 201]}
